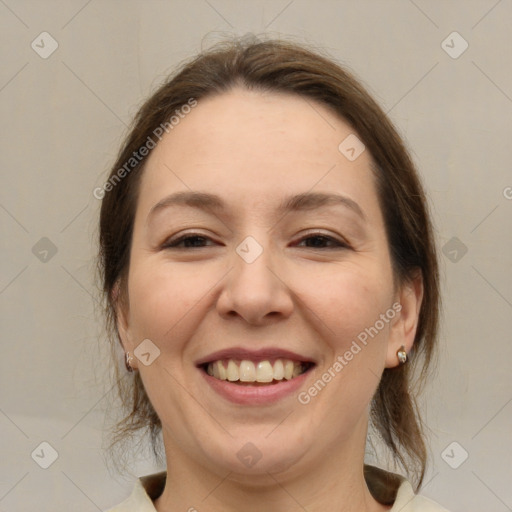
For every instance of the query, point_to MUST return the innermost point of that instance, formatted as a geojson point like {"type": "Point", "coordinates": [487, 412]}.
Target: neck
{"type": "Point", "coordinates": [335, 483]}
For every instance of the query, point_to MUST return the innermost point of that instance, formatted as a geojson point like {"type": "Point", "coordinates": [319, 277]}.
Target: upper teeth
{"type": "Point", "coordinates": [248, 371]}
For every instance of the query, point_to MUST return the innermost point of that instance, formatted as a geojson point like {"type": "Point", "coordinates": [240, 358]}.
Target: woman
{"type": "Point", "coordinates": [270, 270]}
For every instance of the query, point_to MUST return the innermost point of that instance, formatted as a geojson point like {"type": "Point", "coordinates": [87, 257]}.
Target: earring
{"type": "Point", "coordinates": [402, 355]}
{"type": "Point", "coordinates": [128, 361]}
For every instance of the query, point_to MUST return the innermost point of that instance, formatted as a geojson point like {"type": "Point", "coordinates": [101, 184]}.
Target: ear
{"type": "Point", "coordinates": [123, 320]}
{"type": "Point", "coordinates": [404, 325]}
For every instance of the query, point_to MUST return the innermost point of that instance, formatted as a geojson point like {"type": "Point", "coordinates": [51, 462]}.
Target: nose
{"type": "Point", "coordinates": [254, 291]}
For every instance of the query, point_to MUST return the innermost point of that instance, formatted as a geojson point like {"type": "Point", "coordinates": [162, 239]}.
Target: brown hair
{"type": "Point", "coordinates": [289, 68]}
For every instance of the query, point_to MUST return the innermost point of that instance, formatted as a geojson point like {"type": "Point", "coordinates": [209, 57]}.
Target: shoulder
{"type": "Point", "coordinates": [407, 501]}
{"type": "Point", "coordinates": [392, 489]}
{"type": "Point", "coordinates": [145, 490]}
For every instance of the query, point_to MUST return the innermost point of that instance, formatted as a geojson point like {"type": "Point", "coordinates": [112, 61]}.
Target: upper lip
{"type": "Point", "coordinates": [253, 355]}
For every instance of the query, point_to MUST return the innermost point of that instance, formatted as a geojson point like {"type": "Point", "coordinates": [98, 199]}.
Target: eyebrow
{"type": "Point", "coordinates": [301, 202]}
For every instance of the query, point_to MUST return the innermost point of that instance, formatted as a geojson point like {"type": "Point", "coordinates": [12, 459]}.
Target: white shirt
{"type": "Point", "coordinates": [148, 488]}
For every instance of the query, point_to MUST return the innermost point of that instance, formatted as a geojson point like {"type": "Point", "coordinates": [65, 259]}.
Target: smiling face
{"type": "Point", "coordinates": [260, 247]}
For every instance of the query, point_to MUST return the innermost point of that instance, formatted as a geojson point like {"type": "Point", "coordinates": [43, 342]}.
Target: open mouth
{"type": "Point", "coordinates": [256, 373]}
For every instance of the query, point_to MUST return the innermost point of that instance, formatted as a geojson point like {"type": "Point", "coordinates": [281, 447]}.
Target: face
{"type": "Point", "coordinates": [267, 297]}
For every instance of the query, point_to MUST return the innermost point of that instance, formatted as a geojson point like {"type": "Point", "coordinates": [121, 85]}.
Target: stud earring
{"type": "Point", "coordinates": [128, 361]}
{"type": "Point", "coordinates": [402, 355]}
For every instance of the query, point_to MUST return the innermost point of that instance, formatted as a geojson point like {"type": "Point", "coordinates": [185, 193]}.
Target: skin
{"type": "Point", "coordinates": [306, 295]}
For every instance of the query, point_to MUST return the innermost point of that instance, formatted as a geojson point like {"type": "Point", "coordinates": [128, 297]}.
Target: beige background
{"type": "Point", "coordinates": [63, 118]}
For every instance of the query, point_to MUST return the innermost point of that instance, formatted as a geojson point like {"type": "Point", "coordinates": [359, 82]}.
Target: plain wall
{"type": "Point", "coordinates": [63, 119]}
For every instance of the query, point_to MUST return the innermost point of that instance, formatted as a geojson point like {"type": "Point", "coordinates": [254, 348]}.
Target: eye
{"type": "Point", "coordinates": [198, 241]}
{"type": "Point", "coordinates": [319, 241]}
{"type": "Point", "coordinates": [188, 241]}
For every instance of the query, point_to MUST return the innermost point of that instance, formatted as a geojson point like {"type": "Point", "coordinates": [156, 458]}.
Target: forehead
{"type": "Point", "coordinates": [252, 146]}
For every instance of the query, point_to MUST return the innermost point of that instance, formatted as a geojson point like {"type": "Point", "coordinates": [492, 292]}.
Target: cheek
{"type": "Point", "coordinates": [161, 297]}
{"type": "Point", "coordinates": [350, 306]}
{"type": "Point", "coordinates": [347, 300]}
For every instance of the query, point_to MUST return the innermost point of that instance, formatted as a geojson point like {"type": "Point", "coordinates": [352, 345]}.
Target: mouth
{"type": "Point", "coordinates": [249, 372]}
{"type": "Point", "coordinates": [251, 378]}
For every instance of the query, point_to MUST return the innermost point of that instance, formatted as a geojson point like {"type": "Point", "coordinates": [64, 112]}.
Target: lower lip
{"type": "Point", "coordinates": [245, 394]}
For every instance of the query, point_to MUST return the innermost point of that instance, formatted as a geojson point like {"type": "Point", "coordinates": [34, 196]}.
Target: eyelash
{"type": "Point", "coordinates": [173, 244]}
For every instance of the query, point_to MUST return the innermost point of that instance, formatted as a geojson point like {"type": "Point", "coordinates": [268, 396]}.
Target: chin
{"type": "Point", "coordinates": [250, 459]}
